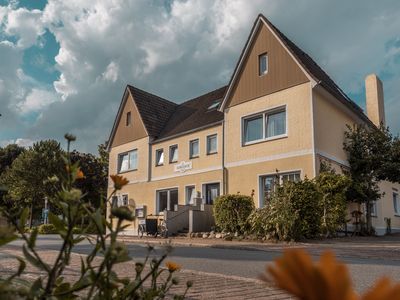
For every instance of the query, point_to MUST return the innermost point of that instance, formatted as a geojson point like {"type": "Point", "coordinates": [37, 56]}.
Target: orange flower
{"type": "Point", "coordinates": [383, 290]}
{"type": "Point", "coordinates": [296, 273]}
{"type": "Point", "coordinates": [119, 181]}
{"type": "Point", "coordinates": [79, 174]}
{"type": "Point", "coordinates": [172, 267]}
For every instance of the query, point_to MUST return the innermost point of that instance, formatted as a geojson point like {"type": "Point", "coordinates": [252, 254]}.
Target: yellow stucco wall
{"type": "Point", "coordinates": [299, 126]}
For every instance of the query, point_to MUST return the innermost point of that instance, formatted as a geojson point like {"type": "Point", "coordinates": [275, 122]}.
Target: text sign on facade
{"type": "Point", "coordinates": [183, 166]}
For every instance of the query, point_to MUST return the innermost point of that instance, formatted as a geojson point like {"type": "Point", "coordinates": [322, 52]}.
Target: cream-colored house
{"type": "Point", "coordinates": [280, 113]}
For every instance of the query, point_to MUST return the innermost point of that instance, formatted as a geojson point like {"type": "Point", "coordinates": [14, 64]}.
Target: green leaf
{"type": "Point", "coordinates": [32, 238]}
{"type": "Point", "coordinates": [23, 217]}
{"type": "Point", "coordinates": [6, 235]}
{"type": "Point", "coordinates": [33, 260]}
{"type": "Point", "coordinates": [22, 266]}
{"type": "Point", "coordinates": [98, 219]}
{"type": "Point", "coordinates": [37, 287]}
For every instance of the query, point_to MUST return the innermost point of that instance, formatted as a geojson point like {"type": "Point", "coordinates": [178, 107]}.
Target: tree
{"type": "Point", "coordinates": [34, 175]}
{"type": "Point", "coordinates": [371, 155]}
{"type": "Point", "coordinates": [8, 154]}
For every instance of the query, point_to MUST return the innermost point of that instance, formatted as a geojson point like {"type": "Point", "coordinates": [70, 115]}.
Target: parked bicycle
{"type": "Point", "coordinates": [153, 226]}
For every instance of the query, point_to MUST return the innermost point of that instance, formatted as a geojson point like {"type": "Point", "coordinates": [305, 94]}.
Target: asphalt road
{"type": "Point", "coordinates": [242, 263]}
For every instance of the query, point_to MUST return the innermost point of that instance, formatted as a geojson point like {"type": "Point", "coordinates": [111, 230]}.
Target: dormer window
{"type": "Point", "coordinates": [262, 64]}
{"type": "Point", "coordinates": [128, 118]}
{"type": "Point", "coordinates": [215, 104]}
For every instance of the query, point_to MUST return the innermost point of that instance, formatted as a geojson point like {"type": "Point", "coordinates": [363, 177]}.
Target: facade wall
{"type": "Point", "coordinates": [299, 127]}
{"type": "Point", "coordinates": [202, 163]}
{"type": "Point", "coordinates": [136, 130]}
{"type": "Point", "coordinates": [246, 178]}
{"type": "Point", "coordinates": [283, 71]}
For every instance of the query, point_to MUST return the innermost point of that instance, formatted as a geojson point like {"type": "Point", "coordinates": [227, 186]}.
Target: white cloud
{"type": "Point", "coordinates": [181, 51]}
{"type": "Point", "coordinates": [20, 142]}
{"type": "Point", "coordinates": [36, 100]}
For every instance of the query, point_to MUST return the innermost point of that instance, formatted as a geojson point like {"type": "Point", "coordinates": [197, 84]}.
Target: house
{"type": "Point", "coordinates": [279, 114]}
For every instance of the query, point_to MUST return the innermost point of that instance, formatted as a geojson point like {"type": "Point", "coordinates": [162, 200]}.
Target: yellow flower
{"type": "Point", "coordinates": [296, 273]}
{"type": "Point", "coordinates": [119, 181]}
{"type": "Point", "coordinates": [172, 267]}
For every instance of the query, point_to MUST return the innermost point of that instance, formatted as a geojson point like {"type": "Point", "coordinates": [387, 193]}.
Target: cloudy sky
{"type": "Point", "coordinates": [64, 64]}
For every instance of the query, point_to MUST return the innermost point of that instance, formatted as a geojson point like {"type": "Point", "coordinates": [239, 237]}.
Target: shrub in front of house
{"type": "Point", "coordinates": [292, 213]}
{"type": "Point", "coordinates": [47, 229]}
{"type": "Point", "coordinates": [232, 211]}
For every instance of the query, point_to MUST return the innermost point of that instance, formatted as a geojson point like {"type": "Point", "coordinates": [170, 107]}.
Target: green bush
{"type": "Point", "coordinates": [47, 229]}
{"type": "Point", "coordinates": [293, 213]}
{"type": "Point", "coordinates": [232, 211]}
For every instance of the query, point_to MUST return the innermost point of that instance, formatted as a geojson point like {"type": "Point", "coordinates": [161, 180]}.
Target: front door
{"type": "Point", "coordinates": [212, 192]}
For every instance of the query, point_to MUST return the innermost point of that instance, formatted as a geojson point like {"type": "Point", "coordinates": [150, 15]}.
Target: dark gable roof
{"type": "Point", "coordinates": [155, 111]}
{"type": "Point", "coordinates": [194, 114]}
{"type": "Point", "coordinates": [319, 75]}
{"type": "Point", "coordinates": [163, 118]}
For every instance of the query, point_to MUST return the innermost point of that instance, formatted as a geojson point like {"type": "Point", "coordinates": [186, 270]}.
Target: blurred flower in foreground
{"type": "Point", "coordinates": [296, 273]}
{"type": "Point", "coordinates": [172, 267]}
{"type": "Point", "coordinates": [119, 181]}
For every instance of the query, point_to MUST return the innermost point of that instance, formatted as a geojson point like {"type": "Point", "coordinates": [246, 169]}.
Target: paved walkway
{"type": "Point", "coordinates": [206, 285]}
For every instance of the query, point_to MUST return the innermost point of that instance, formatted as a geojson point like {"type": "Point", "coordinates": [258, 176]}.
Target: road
{"type": "Point", "coordinates": [240, 262]}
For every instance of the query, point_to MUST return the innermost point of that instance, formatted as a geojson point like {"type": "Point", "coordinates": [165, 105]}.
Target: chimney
{"type": "Point", "coordinates": [374, 98]}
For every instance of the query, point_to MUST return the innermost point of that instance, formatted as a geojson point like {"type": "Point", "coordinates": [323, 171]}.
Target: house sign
{"type": "Point", "coordinates": [183, 166]}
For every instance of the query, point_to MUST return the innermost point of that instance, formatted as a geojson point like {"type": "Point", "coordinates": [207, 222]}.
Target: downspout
{"type": "Point", "coordinates": [314, 150]}
{"type": "Point", "coordinates": [224, 188]}
{"type": "Point", "coordinates": [149, 162]}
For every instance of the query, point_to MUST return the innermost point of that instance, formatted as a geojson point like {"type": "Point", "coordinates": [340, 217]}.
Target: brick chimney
{"type": "Point", "coordinates": [374, 98]}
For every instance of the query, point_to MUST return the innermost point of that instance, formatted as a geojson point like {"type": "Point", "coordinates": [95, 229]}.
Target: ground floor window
{"type": "Point", "coordinates": [166, 200]}
{"type": "Point", "coordinates": [211, 191]}
{"type": "Point", "coordinates": [119, 200]}
{"type": "Point", "coordinates": [374, 211]}
{"type": "Point", "coordinates": [396, 203]}
{"type": "Point", "coordinates": [269, 183]}
{"type": "Point", "coordinates": [190, 194]}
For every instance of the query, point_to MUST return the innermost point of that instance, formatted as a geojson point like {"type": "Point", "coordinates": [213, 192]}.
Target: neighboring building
{"type": "Point", "coordinates": [280, 113]}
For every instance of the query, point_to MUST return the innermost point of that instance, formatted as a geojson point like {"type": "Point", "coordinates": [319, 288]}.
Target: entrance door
{"type": "Point", "coordinates": [166, 199]}
{"type": "Point", "coordinates": [212, 192]}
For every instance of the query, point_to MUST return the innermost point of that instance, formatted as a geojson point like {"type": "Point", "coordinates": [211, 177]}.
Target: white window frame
{"type": "Point", "coordinates": [128, 120]}
{"type": "Point", "coordinates": [374, 209]}
{"type": "Point", "coordinates": [170, 153]}
{"type": "Point", "coordinates": [120, 200]}
{"type": "Point", "coordinates": [280, 174]}
{"type": "Point", "coordinates": [191, 156]}
{"type": "Point", "coordinates": [156, 156]}
{"type": "Point", "coordinates": [187, 199]}
{"type": "Point", "coordinates": [207, 143]}
{"type": "Point", "coordinates": [261, 56]}
{"type": "Point", "coordinates": [264, 114]}
{"type": "Point", "coordinates": [168, 190]}
{"type": "Point", "coordinates": [119, 156]}
{"type": "Point", "coordinates": [396, 199]}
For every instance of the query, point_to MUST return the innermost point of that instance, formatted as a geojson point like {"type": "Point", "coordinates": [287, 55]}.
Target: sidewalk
{"type": "Point", "coordinates": [205, 285]}
{"type": "Point", "coordinates": [383, 248]}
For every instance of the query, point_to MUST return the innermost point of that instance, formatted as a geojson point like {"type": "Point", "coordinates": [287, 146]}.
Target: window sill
{"type": "Point", "coordinates": [194, 157]}
{"type": "Point", "coordinates": [277, 137]}
{"type": "Point", "coordinates": [212, 153]}
{"type": "Point", "coordinates": [127, 171]}
{"type": "Point", "coordinates": [173, 162]}
{"type": "Point", "coordinates": [159, 165]}
{"type": "Point", "coordinates": [397, 215]}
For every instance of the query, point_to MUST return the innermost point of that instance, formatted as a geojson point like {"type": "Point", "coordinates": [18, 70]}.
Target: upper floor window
{"type": "Point", "coordinates": [121, 200]}
{"type": "Point", "coordinates": [396, 204]}
{"type": "Point", "coordinates": [173, 153]}
{"type": "Point", "coordinates": [264, 126]}
{"type": "Point", "coordinates": [262, 64]}
{"type": "Point", "coordinates": [212, 144]}
{"type": "Point", "coordinates": [128, 118]}
{"type": "Point", "coordinates": [194, 148]}
{"type": "Point", "coordinates": [159, 157]}
{"type": "Point", "coordinates": [127, 161]}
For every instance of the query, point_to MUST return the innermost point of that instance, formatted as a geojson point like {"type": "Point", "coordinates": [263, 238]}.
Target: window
{"type": "Point", "coordinates": [396, 204]}
{"type": "Point", "coordinates": [211, 192]}
{"type": "Point", "coordinates": [194, 148]}
{"type": "Point", "coordinates": [190, 194]}
{"type": "Point", "coordinates": [374, 212]}
{"type": "Point", "coordinates": [128, 118]}
{"type": "Point", "coordinates": [173, 153]}
{"type": "Point", "coordinates": [117, 201]}
{"type": "Point", "coordinates": [268, 184]}
{"type": "Point", "coordinates": [166, 200]}
{"type": "Point", "coordinates": [253, 129]}
{"type": "Point", "coordinates": [214, 105]}
{"type": "Point", "coordinates": [262, 64]}
{"type": "Point", "coordinates": [212, 144]}
{"type": "Point", "coordinates": [159, 157]}
{"type": "Point", "coordinates": [127, 161]}
{"type": "Point", "coordinates": [264, 126]}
